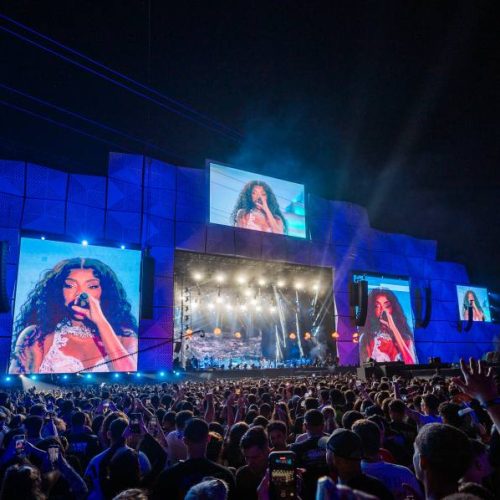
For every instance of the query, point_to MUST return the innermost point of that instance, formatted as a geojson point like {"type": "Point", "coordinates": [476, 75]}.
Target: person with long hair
{"type": "Point", "coordinates": [257, 208]}
{"type": "Point", "coordinates": [76, 318]}
{"type": "Point", "coordinates": [386, 335]}
{"type": "Point", "coordinates": [471, 300]}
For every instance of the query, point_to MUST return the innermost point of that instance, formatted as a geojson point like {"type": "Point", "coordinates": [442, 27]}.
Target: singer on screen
{"type": "Point", "coordinates": [257, 208]}
{"type": "Point", "coordinates": [470, 300]}
{"type": "Point", "coordinates": [76, 318]}
{"type": "Point", "coordinates": [386, 335]}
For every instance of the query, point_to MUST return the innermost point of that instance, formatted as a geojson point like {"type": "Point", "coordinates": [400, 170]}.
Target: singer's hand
{"type": "Point", "coordinates": [93, 313]}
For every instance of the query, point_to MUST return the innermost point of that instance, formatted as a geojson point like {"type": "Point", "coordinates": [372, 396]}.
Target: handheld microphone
{"type": "Point", "coordinates": [82, 300]}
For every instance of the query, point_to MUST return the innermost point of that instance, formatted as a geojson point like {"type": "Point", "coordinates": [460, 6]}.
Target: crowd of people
{"type": "Point", "coordinates": [397, 438]}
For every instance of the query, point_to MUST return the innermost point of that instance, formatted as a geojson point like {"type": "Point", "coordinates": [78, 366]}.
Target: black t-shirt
{"type": "Point", "coordinates": [175, 481]}
{"type": "Point", "coordinates": [83, 445]}
{"type": "Point", "coordinates": [313, 459]}
{"type": "Point", "coordinates": [247, 483]}
{"type": "Point", "coordinates": [370, 485]}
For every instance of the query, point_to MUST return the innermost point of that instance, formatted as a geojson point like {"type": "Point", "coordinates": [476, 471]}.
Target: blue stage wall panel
{"type": "Point", "coordinates": [298, 251]}
{"type": "Point", "coordinates": [87, 190]}
{"type": "Point", "coordinates": [220, 240]}
{"type": "Point", "coordinates": [12, 175]}
{"type": "Point", "coordinates": [247, 243]}
{"type": "Point", "coordinates": [274, 247]}
{"type": "Point", "coordinates": [126, 167]}
{"type": "Point", "coordinates": [123, 227]}
{"type": "Point", "coordinates": [12, 237]}
{"type": "Point", "coordinates": [44, 215]}
{"type": "Point", "coordinates": [160, 175]}
{"type": "Point", "coordinates": [124, 196]}
{"type": "Point", "coordinates": [84, 222]}
{"type": "Point", "coordinates": [11, 210]}
{"type": "Point", "coordinates": [46, 183]}
{"type": "Point", "coordinates": [157, 231]}
{"type": "Point", "coordinates": [155, 358]}
{"type": "Point", "coordinates": [163, 295]}
{"type": "Point", "coordinates": [164, 260]}
{"type": "Point", "coordinates": [190, 236]}
{"type": "Point", "coordinates": [160, 202]}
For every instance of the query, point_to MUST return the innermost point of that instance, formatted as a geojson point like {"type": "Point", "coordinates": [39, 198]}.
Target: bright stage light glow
{"type": "Point", "coordinates": [88, 376]}
{"type": "Point", "coordinates": [229, 306]}
{"type": "Point", "coordinates": [237, 335]}
{"type": "Point", "coordinates": [197, 276]}
{"type": "Point", "coordinates": [315, 287]}
{"type": "Point", "coordinates": [42, 237]}
{"type": "Point", "coordinates": [217, 331]}
{"type": "Point", "coordinates": [255, 301]}
{"type": "Point", "coordinates": [162, 374]}
{"type": "Point", "coordinates": [261, 282]}
{"type": "Point", "coordinates": [247, 292]}
{"type": "Point", "coordinates": [116, 375]}
{"type": "Point", "coordinates": [280, 284]}
{"type": "Point", "coordinates": [65, 377]}
{"type": "Point", "coordinates": [258, 308]}
{"type": "Point", "coordinates": [240, 279]}
{"type": "Point", "coordinates": [7, 379]}
{"type": "Point", "coordinates": [33, 377]}
{"type": "Point", "coordinates": [220, 278]}
{"type": "Point", "coordinates": [219, 300]}
{"type": "Point", "coordinates": [243, 307]}
{"type": "Point", "coordinates": [299, 285]}
{"type": "Point", "coordinates": [210, 305]}
{"type": "Point", "coordinates": [85, 243]}
{"type": "Point", "coordinates": [272, 309]}
{"type": "Point", "coordinates": [194, 305]}
{"type": "Point", "coordinates": [138, 374]}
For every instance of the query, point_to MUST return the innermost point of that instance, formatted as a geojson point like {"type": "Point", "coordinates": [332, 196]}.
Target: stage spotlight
{"type": "Point", "coordinates": [335, 335]}
{"type": "Point", "coordinates": [138, 375]}
{"type": "Point", "coordinates": [240, 279]}
{"type": "Point", "coordinates": [7, 379]}
{"type": "Point", "coordinates": [292, 336]}
{"type": "Point", "coordinates": [220, 278]}
{"type": "Point", "coordinates": [258, 308]}
{"type": "Point", "coordinates": [237, 335]}
{"type": "Point", "coordinates": [229, 306]}
{"type": "Point", "coordinates": [194, 305]}
{"type": "Point", "coordinates": [261, 282]}
{"type": "Point", "coordinates": [307, 336]}
{"type": "Point", "coordinates": [116, 375]}
{"type": "Point", "coordinates": [42, 237]}
{"type": "Point", "coordinates": [177, 374]}
{"type": "Point", "coordinates": [189, 333]}
{"type": "Point", "coordinates": [217, 331]}
{"type": "Point", "coordinates": [272, 309]}
{"type": "Point", "coordinates": [219, 300]}
{"type": "Point", "coordinates": [315, 287]}
{"type": "Point", "coordinates": [298, 285]}
{"type": "Point", "coordinates": [247, 292]}
{"type": "Point", "coordinates": [85, 243]}
{"type": "Point", "coordinates": [88, 376]}
{"type": "Point", "coordinates": [210, 305]}
{"type": "Point", "coordinates": [280, 284]}
{"type": "Point", "coordinates": [243, 307]}
{"type": "Point", "coordinates": [122, 247]}
{"type": "Point", "coordinates": [197, 276]}
{"type": "Point", "coordinates": [162, 374]}
{"type": "Point", "coordinates": [33, 377]}
{"type": "Point", "coordinates": [65, 377]}
{"type": "Point", "coordinates": [255, 301]}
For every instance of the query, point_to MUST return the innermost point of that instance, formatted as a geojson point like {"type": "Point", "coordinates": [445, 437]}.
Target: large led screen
{"type": "Point", "coordinates": [235, 313]}
{"type": "Point", "coordinates": [258, 202]}
{"type": "Point", "coordinates": [76, 308]}
{"type": "Point", "coordinates": [387, 335]}
{"type": "Point", "coordinates": [475, 297]}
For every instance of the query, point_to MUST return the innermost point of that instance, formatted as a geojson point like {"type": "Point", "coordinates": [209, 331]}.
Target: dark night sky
{"type": "Point", "coordinates": [393, 105]}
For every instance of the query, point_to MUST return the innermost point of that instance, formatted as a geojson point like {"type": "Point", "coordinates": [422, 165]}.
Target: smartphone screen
{"type": "Point", "coordinates": [20, 444]}
{"type": "Point", "coordinates": [283, 475]}
{"type": "Point", "coordinates": [135, 420]}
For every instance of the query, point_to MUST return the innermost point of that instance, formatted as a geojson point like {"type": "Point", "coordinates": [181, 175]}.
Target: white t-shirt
{"type": "Point", "coordinates": [176, 449]}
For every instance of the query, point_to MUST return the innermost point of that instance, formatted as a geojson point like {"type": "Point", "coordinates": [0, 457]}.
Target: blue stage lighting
{"type": "Point", "coordinates": [88, 376]}
{"type": "Point", "coordinates": [177, 374]}
{"type": "Point", "coordinates": [162, 374]}
{"type": "Point", "coordinates": [33, 377]}
{"type": "Point", "coordinates": [138, 374]}
{"type": "Point", "coordinates": [7, 379]}
{"type": "Point", "coordinates": [122, 247]}
{"type": "Point", "coordinates": [85, 243]}
{"type": "Point", "coordinates": [116, 375]}
{"type": "Point", "coordinates": [65, 377]}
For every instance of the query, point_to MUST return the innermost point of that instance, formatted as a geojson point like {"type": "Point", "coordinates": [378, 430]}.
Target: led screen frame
{"type": "Point", "coordinates": [42, 253]}
{"type": "Point", "coordinates": [281, 186]}
{"type": "Point", "coordinates": [480, 296]}
{"type": "Point", "coordinates": [394, 341]}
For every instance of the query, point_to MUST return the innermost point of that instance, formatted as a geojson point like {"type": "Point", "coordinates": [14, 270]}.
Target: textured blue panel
{"type": "Point", "coordinates": [87, 190]}
{"type": "Point", "coordinates": [319, 208]}
{"type": "Point", "coordinates": [160, 175]}
{"type": "Point", "coordinates": [123, 227]}
{"type": "Point", "coordinates": [447, 271]}
{"type": "Point", "coordinates": [160, 202]}
{"type": "Point", "coordinates": [421, 248]}
{"type": "Point", "coordinates": [158, 231]}
{"type": "Point", "coordinates": [44, 215]}
{"type": "Point", "coordinates": [84, 222]}
{"type": "Point", "coordinates": [348, 353]}
{"type": "Point", "coordinates": [389, 263]}
{"type": "Point", "coordinates": [220, 239]}
{"type": "Point", "coordinates": [322, 255]}
{"type": "Point", "coordinates": [164, 260]}
{"type": "Point", "coordinates": [298, 251]}
{"type": "Point", "coordinates": [11, 208]}
{"type": "Point", "coordinates": [416, 266]}
{"type": "Point", "coordinates": [190, 208]}
{"type": "Point", "coordinates": [5, 326]}
{"type": "Point", "coordinates": [349, 214]}
{"type": "Point", "coordinates": [46, 183]}
{"type": "Point", "coordinates": [321, 229]}
{"type": "Point", "coordinates": [342, 303]}
{"type": "Point", "coordinates": [345, 235]}
{"type": "Point", "coordinates": [274, 247]}
{"type": "Point", "coordinates": [126, 167]}
{"type": "Point", "coordinates": [161, 326]}
{"type": "Point", "coordinates": [190, 236]}
{"type": "Point", "coordinates": [163, 292]}
{"type": "Point", "coordinates": [10, 279]}
{"type": "Point", "coordinates": [12, 175]}
{"type": "Point", "coordinates": [248, 243]}
{"type": "Point", "coordinates": [12, 237]}
{"type": "Point", "coordinates": [124, 196]}
{"type": "Point", "coordinates": [158, 358]}
{"type": "Point", "coordinates": [444, 290]}
{"type": "Point", "coordinates": [192, 181]}
{"type": "Point", "coordinates": [444, 311]}
{"type": "Point", "coordinates": [4, 354]}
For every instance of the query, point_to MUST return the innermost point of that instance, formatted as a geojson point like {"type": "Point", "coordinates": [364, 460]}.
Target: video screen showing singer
{"type": "Point", "coordinates": [386, 336]}
{"type": "Point", "coordinates": [76, 318]}
{"type": "Point", "coordinates": [257, 208]}
{"type": "Point", "coordinates": [471, 300]}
